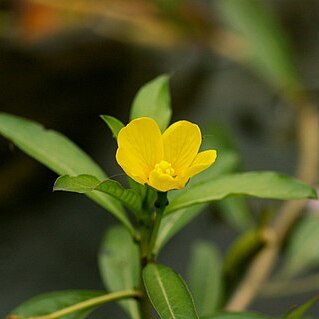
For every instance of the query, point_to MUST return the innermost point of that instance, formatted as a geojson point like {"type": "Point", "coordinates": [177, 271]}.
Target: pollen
{"type": "Point", "coordinates": [164, 167]}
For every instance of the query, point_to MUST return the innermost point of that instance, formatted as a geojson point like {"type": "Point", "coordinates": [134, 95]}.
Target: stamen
{"type": "Point", "coordinates": [164, 167]}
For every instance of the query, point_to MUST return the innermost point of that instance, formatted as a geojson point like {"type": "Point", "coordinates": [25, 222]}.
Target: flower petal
{"type": "Point", "coordinates": [202, 161]}
{"type": "Point", "coordinates": [140, 148]}
{"type": "Point", "coordinates": [181, 144]}
{"type": "Point", "coordinates": [165, 182]}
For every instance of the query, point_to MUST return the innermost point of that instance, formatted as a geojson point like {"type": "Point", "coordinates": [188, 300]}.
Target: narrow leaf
{"type": "Point", "coordinates": [173, 223]}
{"type": "Point", "coordinates": [240, 252]}
{"type": "Point", "coordinates": [58, 153]}
{"type": "Point", "coordinates": [119, 265]}
{"type": "Point", "coordinates": [113, 123]}
{"type": "Point", "coordinates": [54, 301]}
{"type": "Point", "coordinates": [88, 183]}
{"type": "Point", "coordinates": [205, 277]}
{"type": "Point", "coordinates": [168, 293]}
{"type": "Point", "coordinates": [256, 184]}
{"type": "Point", "coordinates": [302, 250]}
{"type": "Point", "coordinates": [153, 100]}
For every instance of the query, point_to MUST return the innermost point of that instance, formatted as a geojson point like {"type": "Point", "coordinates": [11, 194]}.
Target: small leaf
{"type": "Point", "coordinates": [78, 184]}
{"type": "Point", "coordinates": [205, 277]}
{"type": "Point", "coordinates": [127, 196]}
{"type": "Point", "coordinates": [113, 123]}
{"type": "Point", "coordinates": [168, 293]}
{"type": "Point", "coordinates": [88, 183]}
{"type": "Point", "coordinates": [300, 311]}
{"type": "Point", "coordinates": [238, 315]}
{"type": "Point", "coordinates": [257, 184]}
{"type": "Point", "coordinates": [58, 153]}
{"type": "Point", "coordinates": [154, 100]}
{"type": "Point", "coordinates": [173, 223]}
{"type": "Point", "coordinates": [267, 48]}
{"type": "Point", "coordinates": [302, 251]}
{"type": "Point", "coordinates": [54, 301]}
{"type": "Point", "coordinates": [119, 265]}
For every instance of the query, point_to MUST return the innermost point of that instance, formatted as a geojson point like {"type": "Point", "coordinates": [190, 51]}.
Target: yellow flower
{"type": "Point", "coordinates": [164, 161]}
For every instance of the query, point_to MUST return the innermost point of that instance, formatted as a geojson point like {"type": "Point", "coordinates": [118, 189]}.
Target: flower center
{"type": "Point", "coordinates": [164, 167]}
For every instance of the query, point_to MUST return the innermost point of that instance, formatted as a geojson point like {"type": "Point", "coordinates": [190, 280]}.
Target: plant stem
{"type": "Point", "coordinates": [149, 231]}
{"type": "Point", "coordinates": [160, 206]}
{"type": "Point", "coordinates": [86, 304]}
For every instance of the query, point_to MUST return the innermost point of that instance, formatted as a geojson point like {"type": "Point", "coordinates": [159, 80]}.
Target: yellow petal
{"type": "Point", "coordinates": [165, 182]}
{"type": "Point", "coordinates": [202, 161]}
{"type": "Point", "coordinates": [181, 144]}
{"type": "Point", "coordinates": [140, 148]}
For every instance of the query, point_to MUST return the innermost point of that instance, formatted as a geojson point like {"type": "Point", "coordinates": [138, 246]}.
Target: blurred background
{"type": "Point", "coordinates": [63, 63]}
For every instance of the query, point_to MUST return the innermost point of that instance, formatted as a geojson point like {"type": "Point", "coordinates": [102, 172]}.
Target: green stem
{"type": "Point", "coordinates": [87, 303]}
{"type": "Point", "coordinates": [148, 234]}
{"type": "Point", "coordinates": [160, 206]}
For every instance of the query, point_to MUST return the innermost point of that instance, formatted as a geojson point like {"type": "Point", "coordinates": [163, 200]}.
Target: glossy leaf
{"type": "Point", "coordinates": [302, 250]}
{"type": "Point", "coordinates": [154, 100]}
{"type": "Point", "coordinates": [168, 293]}
{"type": "Point", "coordinates": [113, 123]}
{"type": "Point", "coordinates": [237, 315]}
{"type": "Point", "coordinates": [58, 153]}
{"type": "Point", "coordinates": [266, 47]}
{"type": "Point", "coordinates": [205, 277]}
{"type": "Point", "coordinates": [88, 183]}
{"type": "Point", "coordinates": [119, 265]}
{"type": "Point", "coordinates": [256, 184]}
{"type": "Point", "coordinates": [54, 301]}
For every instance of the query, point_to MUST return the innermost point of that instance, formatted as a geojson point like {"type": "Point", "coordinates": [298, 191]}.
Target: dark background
{"type": "Point", "coordinates": [65, 79]}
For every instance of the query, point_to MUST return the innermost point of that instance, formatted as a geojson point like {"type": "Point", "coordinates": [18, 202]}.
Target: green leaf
{"type": "Point", "coordinates": [154, 100]}
{"type": "Point", "coordinates": [241, 251]}
{"type": "Point", "coordinates": [237, 315]}
{"type": "Point", "coordinates": [256, 184]}
{"type": "Point", "coordinates": [127, 196]}
{"type": "Point", "coordinates": [88, 183]}
{"type": "Point", "coordinates": [205, 277]}
{"type": "Point", "coordinates": [119, 265]}
{"type": "Point", "coordinates": [267, 49]}
{"type": "Point", "coordinates": [173, 223]}
{"type": "Point", "coordinates": [302, 250]}
{"type": "Point", "coordinates": [58, 153]}
{"type": "Point", "coordinates": [54, 301]}
{"type": "Point", "coordinates": [300, 311]}
{"type": "Point", "coordinates": [168, 293]}
{"type": "Point", "coordinates": [237, 213]}
{"type": "Point", "coordinates": [113, 123]}
{"type": "Point", "coordinates": [78, 184]}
